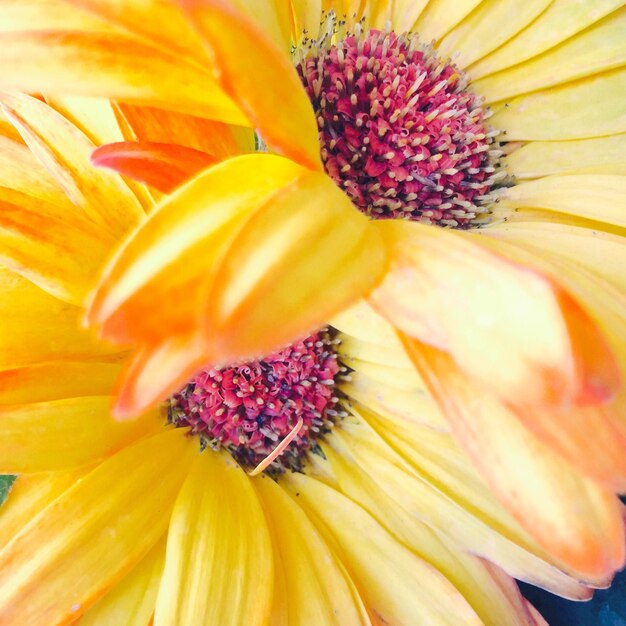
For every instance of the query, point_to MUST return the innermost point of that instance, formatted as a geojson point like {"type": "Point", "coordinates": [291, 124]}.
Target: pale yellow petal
{"type": "Point", "coordinates": [131, 602]}
{"type": "Point", "coordinates": [597, 197]}
{"type": "Point", "coordinates": [598, 49]}
{"type": "Point", "coordinates": [317, 587]}
{"type": "Point", "coordinates": [396, 585]}
{"type": "Point", "coordinates": [404, 14]}
{"type": "Point", "coordinates": [591, 107]}
{"type": "Point", "coordinates": [600, 155]}
{"type": "Point", "coordinates": [488, 27]}
{"type": "Point", "coordinates": [218, 565]}
{"type": "Point", "coordinates": [560, 21]}
{"type": "Point", "coordinates": [92, 535]}
{"type": "Point", "coordinates": [440, 16]}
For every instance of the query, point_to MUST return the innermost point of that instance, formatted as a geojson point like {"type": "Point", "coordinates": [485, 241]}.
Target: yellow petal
{"type": "Point", "coordinates": [307, 255]}
{"type": "Point", "coordinates": [110, 65]}
{"type": "Point", "coordinates": [30, 494]}
{"type": "Point", "coordinates": [432, 481]}
{"type": "Point", "coordinates": [597, 197]}
{"type": "Point", "coordinates": [560, 21]}
{"type": "Point", "coordinates": [60, 252]}
{"type": "Point", "coordinates": [218, 565]}
{"type": "Point", "coordinates": [598, 49]}
{"type": "Point", "coordinates": [362, 322]}
{"type": "Point", "coordinates": [568, 514]}
{"type": "Point", "coordinates": [477, 34]}
{"type": "Point", "coordinates": [405, 13]}
{"type": "Point", "coordinates": [131, 602]}
{"type": "Point", "coordinates": [396, 585]}
{"type": "Point", "coordinates": [247, 62]}
{"type": "Point", "coordinates": [65, 151]}
{"type": "Point", "coordinates": [37, 327]}
{"type": "Point", "coordinates": [44, 436]}
{"type": "Point", "coordinates": [42, 382]}
{"type": "Point", "coordinates": [317, 587]}
{"type": "Point", "coordinates": [93, 534]}
{"type": "Point", "coordinates": [595, 107]}
{"type": "Point", "coordinates": [440, 16]}
{"type": "Point", "coordinates": [528, 339]}
{"type": "Point", "coordinates": [307, 14]}
{"type": "Point", "coordinates": [493, 595]}
{"type": "Point", "coordinates": [600, 155]}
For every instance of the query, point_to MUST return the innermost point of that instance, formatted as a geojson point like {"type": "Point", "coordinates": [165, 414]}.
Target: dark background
{"type": "Point", "coordinates": [607, 608]}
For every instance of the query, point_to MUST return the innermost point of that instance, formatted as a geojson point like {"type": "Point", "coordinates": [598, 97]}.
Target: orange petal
{"type": "Point", "coordinates": [508, 327]}
{"type": "Point", "coordinates": [111, 65]}
{"type": "Point", "coordinates": [160, 165]}
{"type": "Point", "coordinates": [65, 151]}
{"type": "Point", "coordinates": [260, 77]}
{"type": "Point", "coordinates": [60, 252]}
{"type": "Point", "coordinates": [149, 124]}
{"type": "Point", "coordinates": [92, 535]}
{"type": "Point", "coordinates": [569, 515]}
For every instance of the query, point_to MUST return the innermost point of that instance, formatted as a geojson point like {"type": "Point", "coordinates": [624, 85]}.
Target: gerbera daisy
{"type": "Point", "coordinates": [499, 342]}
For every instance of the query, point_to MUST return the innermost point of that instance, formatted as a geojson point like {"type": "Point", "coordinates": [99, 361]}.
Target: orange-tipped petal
{"type": "Point", "coordinates": [64, 150]}
{"type": "Point", "coordinates": [111, 65]}
{"type": "Point", "coordinates": [160, 165]}
{"type": "Point", "coordinates": [508, 327]}
{"type": "Point", "coordinates": [259, 76]}
{"type": "Point", "coordinates": [571, 516]}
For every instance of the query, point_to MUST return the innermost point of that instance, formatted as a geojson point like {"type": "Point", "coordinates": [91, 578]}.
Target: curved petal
{"type": "Point", "coordinates": [110, 65]}
{"type": "Point", "coordinates": [595, 108]}
{"type": "Point", "coordinates": [45, 436]}
{"type": "Point", "coordinates": [509, 328]}
{"type": "Point", "coordinates": [317, 587]}
{"type": "Point", "coordinates": [569, 515]}
{"type": "Point", "coordinates": [600, 155]}
{"type": "Point", "coordinates": [88, 542]}
{"type": "Point", "coordinates": [598, 49]}
{"type": "Point", "coordinates": [218, 564]}
{"type": "Point", "coordinates": [594, 196]}
{"type": "Point", "coordinates": [161, 165]}
{"type": "Point", "coordinates": [65, 151]}
{"type": "Point", "coordinates": [395, 584]}
{"type": "Point", "coordinates": [259, 76]}
{"type": "Point", "coordinates": [560, 21]}
{"type": "Point", "coordinates": [440, 16]}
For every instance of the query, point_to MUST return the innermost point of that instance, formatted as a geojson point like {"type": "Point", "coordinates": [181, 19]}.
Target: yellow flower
{"type": "Point", "coordinates": [514, 320]}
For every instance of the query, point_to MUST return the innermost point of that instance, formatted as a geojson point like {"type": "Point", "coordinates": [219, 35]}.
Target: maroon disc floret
{"type": "Point", "coordinates": [400, 132]}
{"type": "Point", "coordinates": [249, 409]}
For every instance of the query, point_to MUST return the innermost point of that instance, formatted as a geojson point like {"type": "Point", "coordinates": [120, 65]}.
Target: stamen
{"type": "Point", "coordinates": [278, 450]}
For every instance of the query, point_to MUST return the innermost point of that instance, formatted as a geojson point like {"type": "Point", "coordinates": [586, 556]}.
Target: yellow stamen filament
{"type": "Point", "coordinates": [278, 450]}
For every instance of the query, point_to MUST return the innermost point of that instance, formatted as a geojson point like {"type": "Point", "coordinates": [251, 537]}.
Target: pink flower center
{"type": "Point", "coordinates": [399, 131]}
{"type": "Point", "coordinates": [249, 409]}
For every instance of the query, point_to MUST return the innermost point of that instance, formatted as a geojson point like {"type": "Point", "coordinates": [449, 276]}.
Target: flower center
{"type": "Point", "coordinates": [399, 131]}
{"type": "Point", "coordinates": [250, 409]}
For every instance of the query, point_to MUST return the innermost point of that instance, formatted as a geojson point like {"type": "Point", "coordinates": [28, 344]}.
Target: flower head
{"type": "Point", "coordinates": [446, 410]}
